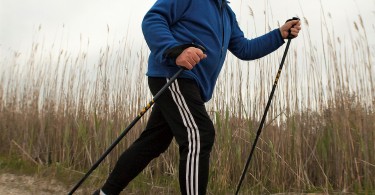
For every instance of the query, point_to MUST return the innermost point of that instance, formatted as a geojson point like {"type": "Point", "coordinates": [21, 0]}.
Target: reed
{"type": "Point", "coordinates": [60, 110]}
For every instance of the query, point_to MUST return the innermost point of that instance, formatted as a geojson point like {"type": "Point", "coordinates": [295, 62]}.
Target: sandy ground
{"type": "Point", "coordinates": [11, 184]}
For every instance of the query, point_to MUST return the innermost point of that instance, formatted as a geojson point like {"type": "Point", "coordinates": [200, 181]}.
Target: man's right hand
{"type": "Point", "coordinates": [190, 57]}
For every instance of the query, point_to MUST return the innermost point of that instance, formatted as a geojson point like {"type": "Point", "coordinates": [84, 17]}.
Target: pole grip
{"type": "Point", "coordinates": [290, 36]}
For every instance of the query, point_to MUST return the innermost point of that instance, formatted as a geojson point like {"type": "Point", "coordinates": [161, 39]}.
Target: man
{"type": "Point", "coordinates": [194, 35]}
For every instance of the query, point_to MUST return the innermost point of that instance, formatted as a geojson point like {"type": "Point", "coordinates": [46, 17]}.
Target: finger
{"type": "Point", "coordinates": [297, 26]}
{"type": "Point", "coordinates": [196, 58]}
{"type": "Point", "coordinates": [199, 53]}
{"type": "Point", "coordinates": [295, 32]}
{"type": "Point", "coordinates": [294, 22]}
{"type": "Point", "coordinates": [188, 61]}
{"type": "Point", "coordinates": [187, 65]}
{"type": "Point", "coordinates": [183, 61]}
{"type": "Point", "coordinates": [291, 24]}
{"type": "Point", "coordinates": [202, 55]}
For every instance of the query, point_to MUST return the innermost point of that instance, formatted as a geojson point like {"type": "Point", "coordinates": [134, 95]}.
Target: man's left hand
{"type": "Point", "coordinates": [294, 26]}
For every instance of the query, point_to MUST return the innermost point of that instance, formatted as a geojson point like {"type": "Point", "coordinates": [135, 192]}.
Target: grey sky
{"type": "Point", "coordinates": [70, 19]}
{"type": "Point", "coordinates": [67, 24]}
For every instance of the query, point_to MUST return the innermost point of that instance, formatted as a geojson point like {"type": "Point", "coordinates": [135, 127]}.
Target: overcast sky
{"type": "Point", "coordinates": [71, 19]}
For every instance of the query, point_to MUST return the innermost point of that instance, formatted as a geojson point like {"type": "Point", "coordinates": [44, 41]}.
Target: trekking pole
{"type": "Point", "coordinates": [266, 110]}
{"type": "Point", "coordinates": [139, 116]}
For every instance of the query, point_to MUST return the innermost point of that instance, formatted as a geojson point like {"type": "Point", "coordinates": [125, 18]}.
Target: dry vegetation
{"type": "Point", "coordinates": [57, 110]}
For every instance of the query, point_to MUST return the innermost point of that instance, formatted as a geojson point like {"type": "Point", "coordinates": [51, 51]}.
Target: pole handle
{"type": "Point", "coordinates": [290, 36]}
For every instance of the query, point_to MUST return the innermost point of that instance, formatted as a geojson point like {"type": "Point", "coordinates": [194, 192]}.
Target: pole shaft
{"type": "Point", "coordinates": [122, 135]}
{"type": "Point", "coordinates": [263, 118]}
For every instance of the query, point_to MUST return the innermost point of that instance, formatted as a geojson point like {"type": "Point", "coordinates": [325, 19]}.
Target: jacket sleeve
{"type": "Point", "coordinates": [156, 26]}
{"type": "Point", "coordinates": [251, 49]}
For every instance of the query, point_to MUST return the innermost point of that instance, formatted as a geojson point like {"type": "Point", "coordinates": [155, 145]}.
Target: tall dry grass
{"type": "Point", "coordinates": [57, 109]}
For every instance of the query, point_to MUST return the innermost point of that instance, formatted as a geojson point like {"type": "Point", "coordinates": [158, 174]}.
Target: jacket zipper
{"type": "Point", "coordinates": [222, 26]}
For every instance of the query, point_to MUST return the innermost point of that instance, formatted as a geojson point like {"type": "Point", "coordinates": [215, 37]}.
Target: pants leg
{"type": "Point", "coordinates": [179, 112]}
{"type": "Point", "coordinates": [184, 110]}
{"type": "Point", "coordinates": [153, 141]}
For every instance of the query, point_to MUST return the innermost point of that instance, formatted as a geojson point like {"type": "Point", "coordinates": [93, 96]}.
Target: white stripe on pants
{"type": "Point", "coordinates": [192, 163]}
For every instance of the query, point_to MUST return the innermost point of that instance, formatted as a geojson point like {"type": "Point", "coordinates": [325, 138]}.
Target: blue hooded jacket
{"type": "Point", "coordinates": [209, 23]}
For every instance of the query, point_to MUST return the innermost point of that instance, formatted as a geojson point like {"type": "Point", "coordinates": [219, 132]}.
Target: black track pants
{"type": "Point", "coordinates": [178, 113]}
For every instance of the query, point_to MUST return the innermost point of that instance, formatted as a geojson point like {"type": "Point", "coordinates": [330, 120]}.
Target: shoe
{"type": "Point", "coordinates": [97, 192]}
